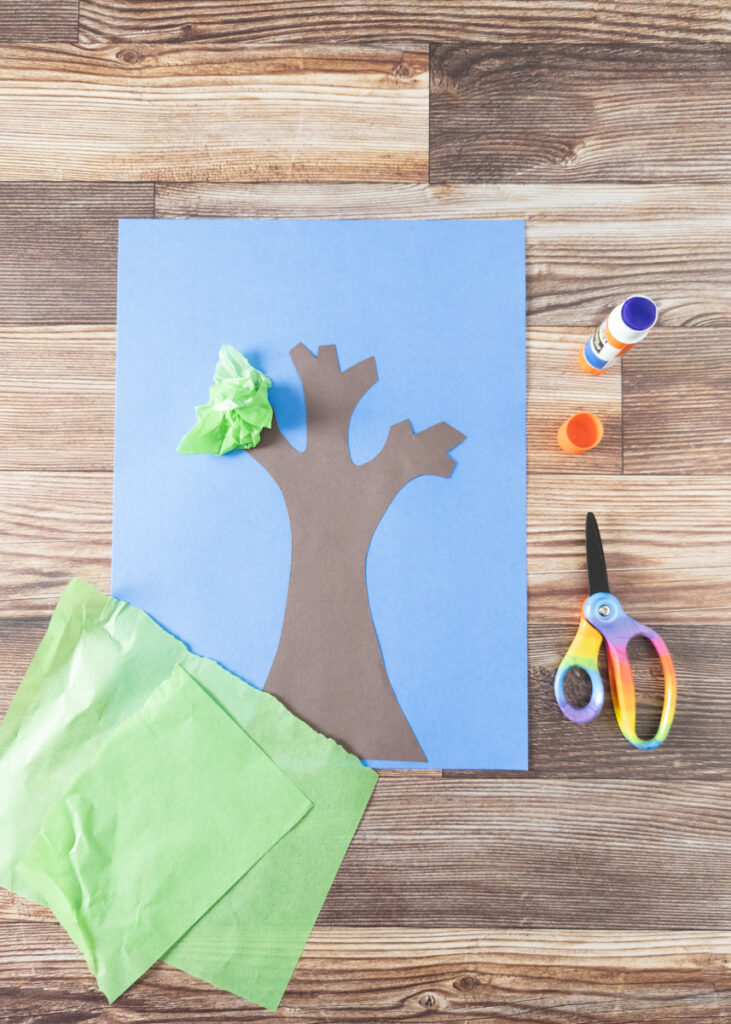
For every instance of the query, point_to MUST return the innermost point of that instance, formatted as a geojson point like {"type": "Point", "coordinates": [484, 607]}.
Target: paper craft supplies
{"type": "Point", "coordinates": [604, 619]}
{"type": "Point", "coordinates": [177, 806]}
{"type": "Point", "coordinates": [237, 409]}
{"type": "Point", "coordinates": [96, 667]}
{"type": "Point", "coordinates": [581, 432]}
{"type": "Point", "coordinates": [628, 323]}
{"type": "Point", "coordinates": [262, 577]}
{"type": "Point", "coordinates": [329, 669]}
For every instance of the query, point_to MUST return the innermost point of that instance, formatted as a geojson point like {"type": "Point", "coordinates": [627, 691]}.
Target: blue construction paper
{"type": "Point", "coordinates": [202, 542]}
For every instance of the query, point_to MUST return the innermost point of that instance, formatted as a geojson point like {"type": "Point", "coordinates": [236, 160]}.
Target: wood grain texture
{"type": "Point", "coordinates": [699, 746]}
{"type": "Point", "coordinates": [657, 522]}
{"type": "Point", "coordinates": [586, 246]}
{"type": "Point", "coordinates": [14, 908]}
{"type": "Point", "coordinates": [585, 113]}
{"type": "Point", "coordinates": [675, 404]}
{"type": "Point", "coordinates": [58, 249]}
{"type": "Point", "coordinates": [361, 975]}
{"type": "Point", "coordinates": [55, 525]}
{"type": "Point", "coordinates": [700, 595]}
{"type": "Point", "coordinates": [57, 397]}
{"type": "Point", "coordinates": [39, 21]}
{"type": "Point", "coordinates": [20, 639]}
{"type": "Point", "coordinates": [213, 112]}
{"type": "Point", "coordinates": [652, 22]}
{"type": "Point", "coordinates": [539, 853]}
{"type": "Point", "coordinates": [666, 540]}
{"type": "Point", "coordinates": [73, 368]}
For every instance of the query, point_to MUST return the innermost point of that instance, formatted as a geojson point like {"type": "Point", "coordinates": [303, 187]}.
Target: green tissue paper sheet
{"type": "Point", "coordinates": [177, 806]}
{"type": "Point", "coordinates": [237, 410]}
{"type": "Point", "coordinates": [96, 667]}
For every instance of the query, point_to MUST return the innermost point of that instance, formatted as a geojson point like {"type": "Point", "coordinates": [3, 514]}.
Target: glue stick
{"type": "Point", "coordinates": [627, 324]}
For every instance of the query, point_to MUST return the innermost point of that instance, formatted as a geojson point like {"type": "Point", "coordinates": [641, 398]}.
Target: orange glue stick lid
{"type": "Point", "coordinates": [580, 432]}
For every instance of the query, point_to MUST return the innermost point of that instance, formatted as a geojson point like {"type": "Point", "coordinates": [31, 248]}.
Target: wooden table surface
{"type": "Point", "coordinates": [596, 888]}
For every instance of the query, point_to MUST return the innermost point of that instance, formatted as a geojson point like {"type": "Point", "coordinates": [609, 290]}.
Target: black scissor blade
{"type": "Point", "coordinates": [595, 564]}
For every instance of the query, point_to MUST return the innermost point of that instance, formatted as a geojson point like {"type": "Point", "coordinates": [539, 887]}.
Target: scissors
{"type": "Point", "coordinates": [603, 618]}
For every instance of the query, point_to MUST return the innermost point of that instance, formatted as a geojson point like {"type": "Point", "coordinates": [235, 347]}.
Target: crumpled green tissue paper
{"type": "Point", "coordinates": [178, 804]}
{"type": "Point", "coordinates": [237, 409]}
{"type": "Point", "coordinates": [99, 662]}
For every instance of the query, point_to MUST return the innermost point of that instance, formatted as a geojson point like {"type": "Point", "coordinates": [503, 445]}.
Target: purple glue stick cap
{"type": "Point", "coordinates": [639, 313]}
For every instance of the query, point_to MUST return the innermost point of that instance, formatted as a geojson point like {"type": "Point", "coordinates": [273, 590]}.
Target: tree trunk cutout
{"type": "Point", "coordinates": [328, 667]}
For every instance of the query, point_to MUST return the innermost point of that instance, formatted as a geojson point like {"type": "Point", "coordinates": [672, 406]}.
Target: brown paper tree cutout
{"type": "Point", "coordinates": [328, 668]}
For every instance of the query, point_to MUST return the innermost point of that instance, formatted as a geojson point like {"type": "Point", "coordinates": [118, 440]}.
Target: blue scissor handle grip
{"type": "Point", "coordinates": [582, 654]}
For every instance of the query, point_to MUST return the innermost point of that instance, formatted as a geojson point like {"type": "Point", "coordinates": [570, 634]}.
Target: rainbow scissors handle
{"type": "Point", "coordinates": [603, 618]}
{"type": "Point", "coordinates": [584, 654]}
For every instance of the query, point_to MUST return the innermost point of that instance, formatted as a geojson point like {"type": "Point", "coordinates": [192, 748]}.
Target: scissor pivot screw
{"type": "Point", "coordinates": [605, 610]}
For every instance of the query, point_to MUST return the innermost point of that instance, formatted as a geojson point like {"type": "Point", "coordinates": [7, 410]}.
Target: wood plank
{"type": "Point", "coordinates": [587, 113]}
{"type": "Point", "coordinates": [539, 853]}
{"type": "Point", "coordinates": [73, 367]}
{"type": "Point", "coordinates": [700, 595]}
{"type": "Point", "coordinates": [20, 639]}
{"type": "Point", "coordinates": [58, 525]}
{"type": "Point", "coordinates": [39, 21]}
{"type": "Point", "coordinates": [53, 526]}
{"type": "Point", "coordinates": [17, 908]}
{"type": "Point", "coordinates": [398, 974]}
{"type": "Point", "coordinates": [213, 112]}
{"type": "Point", "coordinates": [58, 249]}
{"type": "Point", "coordinates": [699, 745]}
{"type": "Point", "coordinates": [587, 246]}
{"type": "Point", "coordinates": [658, 522]}
{"type": "Point", "coordinates": [677, 417]}
{"type": "Point", "coordinates": [651, 22]}
{"type": "Point", "coordinates": [57, 397]}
